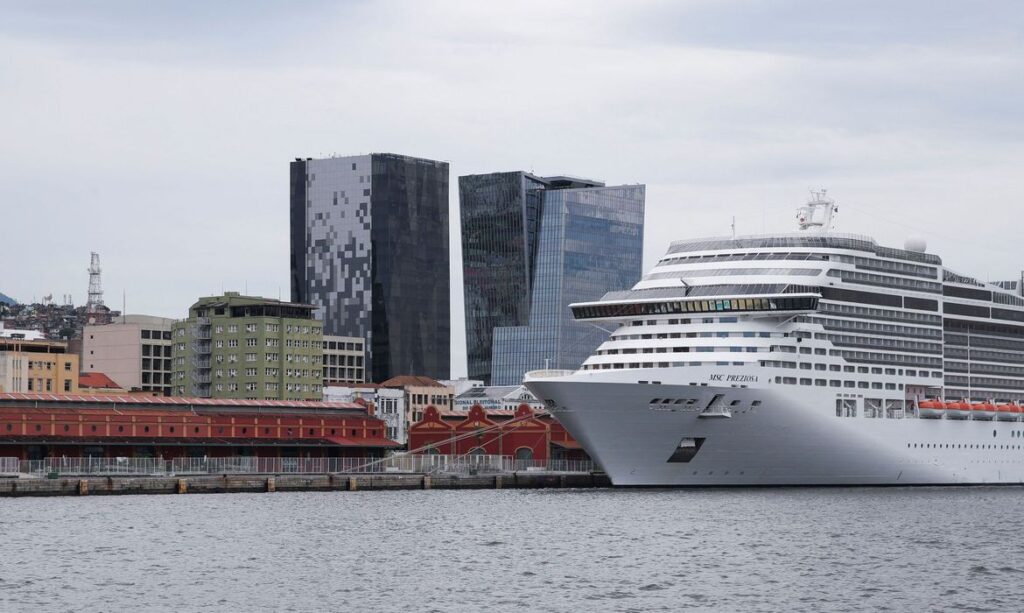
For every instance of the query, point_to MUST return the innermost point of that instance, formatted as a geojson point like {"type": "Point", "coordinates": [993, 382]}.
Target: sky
{"type": "Point", "coordinates": [159, 133]}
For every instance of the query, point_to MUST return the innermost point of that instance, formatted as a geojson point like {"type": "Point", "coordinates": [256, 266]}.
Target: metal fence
{"type": "Point", "coordinates": [426, 464]}
{"type": "Point", "coordinates": [94, 466]}
{"type": "Point", "coordinates": [9, 466]}
{"type": "Point", "coordinates": [558, 466]}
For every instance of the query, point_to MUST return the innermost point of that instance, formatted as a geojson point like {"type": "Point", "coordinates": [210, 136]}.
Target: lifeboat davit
{"type": "Point", "coordinates": [931, 409]}
{"type": "Point", "coordinates": [1007, 412]}
{"type": "Point", "coordinates": [958, 410]}
{"type": "Point", "coordinates": [983, 410]}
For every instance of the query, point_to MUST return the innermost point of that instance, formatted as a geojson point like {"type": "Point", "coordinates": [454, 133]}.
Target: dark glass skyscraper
{"type": "Point", "coordinates": [530, 247]}
{"type": "Point", "coordinates": [369, 248]}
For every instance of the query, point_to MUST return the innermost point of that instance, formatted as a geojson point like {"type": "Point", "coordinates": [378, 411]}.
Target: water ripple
{"type": "Point", "coordinates": [540, 550]}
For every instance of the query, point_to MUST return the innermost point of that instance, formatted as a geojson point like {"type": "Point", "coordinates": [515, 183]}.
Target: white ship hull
{"type": "Point", "coordinates": [793, 437]}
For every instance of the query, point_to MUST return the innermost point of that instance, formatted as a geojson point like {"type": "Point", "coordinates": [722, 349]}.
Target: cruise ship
{"type": "Point", "coordinates": [810, 358]}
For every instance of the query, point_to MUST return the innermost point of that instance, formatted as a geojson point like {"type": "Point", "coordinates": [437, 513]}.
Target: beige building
{"type": "Point", "coordinates": [420, 393]}
{"type": "Point", "coordinates": [134, 351]}
{"type": "Point", "coordinates": [37, 367]}
{"type": "Point", "coordinates": [344, 360]}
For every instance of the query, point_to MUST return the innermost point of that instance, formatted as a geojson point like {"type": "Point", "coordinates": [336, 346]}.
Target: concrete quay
{"type": "Point", "coordinates": [228, 483]}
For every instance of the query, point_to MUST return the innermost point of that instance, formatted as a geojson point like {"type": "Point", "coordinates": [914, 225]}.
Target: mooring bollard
{"type": "Point", "coordinates": [83, 487]}
{"type": "Point", "coordinates": [271, 484]}
{"type": "Point", "coordinates": [182, 486]}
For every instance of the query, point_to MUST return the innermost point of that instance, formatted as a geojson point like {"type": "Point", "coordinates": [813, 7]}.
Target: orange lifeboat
{"type": "Point", "coordinates": [931, 409]}
{"type": "Point", "coordinates": [958, 410]}
{"type": "Point", "coordinates": [1007, 412]}
{"type": "Point", "coordinates": [983, 410]}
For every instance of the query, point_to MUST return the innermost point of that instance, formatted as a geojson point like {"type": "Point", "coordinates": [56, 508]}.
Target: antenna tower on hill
{"type": "Point", "coordinates": [95, 285]}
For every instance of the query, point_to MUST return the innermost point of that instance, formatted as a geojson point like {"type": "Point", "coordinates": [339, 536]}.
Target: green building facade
{"type": "Point", "coordinates": [246, 347]}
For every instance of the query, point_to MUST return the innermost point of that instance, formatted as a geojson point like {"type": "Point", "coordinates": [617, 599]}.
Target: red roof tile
{"type": "Point", "coordinates": [404, 380]}
{"type": "Point", "coordinates": [96, 380]}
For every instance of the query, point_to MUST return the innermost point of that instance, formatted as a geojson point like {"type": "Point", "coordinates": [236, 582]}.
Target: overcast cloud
{"type": "Point", "coordinates": [159, 134]}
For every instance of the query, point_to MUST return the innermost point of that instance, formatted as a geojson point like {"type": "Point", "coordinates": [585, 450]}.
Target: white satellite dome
{"type": "Point", "coordinates": [915, 243]}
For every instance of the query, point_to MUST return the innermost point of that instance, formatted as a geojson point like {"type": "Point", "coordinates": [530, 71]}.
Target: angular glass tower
{"type": "Point", "coordinates": [530, 247]}
{"type": "Point", "coordinates": [369, 248]}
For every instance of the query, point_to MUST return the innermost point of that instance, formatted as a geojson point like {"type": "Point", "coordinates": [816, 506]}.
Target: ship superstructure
{"type": "Point", "coordinates": [807, 358]}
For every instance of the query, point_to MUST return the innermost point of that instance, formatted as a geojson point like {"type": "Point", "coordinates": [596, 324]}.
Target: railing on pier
{"type": "Point", "coordinates": [10, 466]}
{"type": "Point", "coordinates": [557, 466]}
{"type": "Point", "coordinates": [400, 464]}
{"type": "Point", "coordinates": [425, 464]}
{"type": "Point", "coordinates": [95, 466]}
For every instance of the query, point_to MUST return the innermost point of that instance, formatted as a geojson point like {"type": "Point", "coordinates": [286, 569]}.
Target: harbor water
{"type": "Point", "coordinates": [534, 550]}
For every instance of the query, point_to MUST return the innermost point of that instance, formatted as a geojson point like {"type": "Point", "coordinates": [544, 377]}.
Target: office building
{"type": "Point", "coordinates": [245, 347]}
{"type": "Point", "coordinates": [133, 350]}
{"type": "Point", "coordinates": [369, 249]}
{"type": "Point", "coordinates": [343, 360]}
{"type": "Point", "coordinates": [530, 247]}
{"type": "Point", "coordinates": [37, 366]}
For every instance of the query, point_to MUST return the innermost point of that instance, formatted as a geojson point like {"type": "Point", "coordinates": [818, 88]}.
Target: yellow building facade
{"type": "Point", "coordinates": [37, 367]}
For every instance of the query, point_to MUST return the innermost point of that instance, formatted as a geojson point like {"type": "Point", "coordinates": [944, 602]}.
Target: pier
{"type": "Point", "coordinates": [103, 476]}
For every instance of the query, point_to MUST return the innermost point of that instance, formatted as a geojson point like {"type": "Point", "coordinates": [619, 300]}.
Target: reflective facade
{"type": "Point", "coordinates": [369, 248]}
{"type": "Point", "coordinates": [531, 246]}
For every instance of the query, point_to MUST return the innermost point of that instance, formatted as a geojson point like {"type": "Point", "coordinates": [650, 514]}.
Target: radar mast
{"type": "Point", "coordinates": [818, 215]}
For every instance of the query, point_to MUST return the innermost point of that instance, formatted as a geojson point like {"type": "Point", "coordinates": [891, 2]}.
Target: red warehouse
{"type": "Point", "coordinates": [37, 426]}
